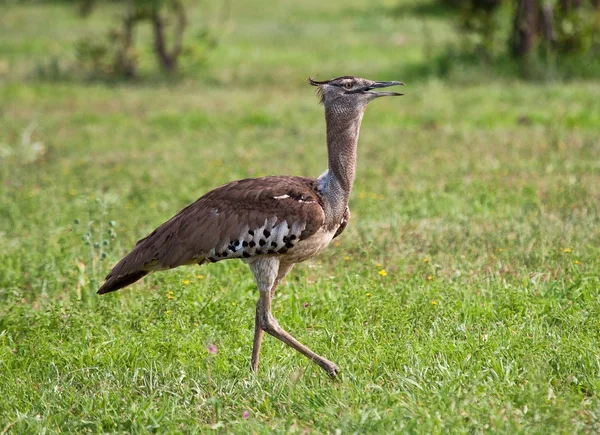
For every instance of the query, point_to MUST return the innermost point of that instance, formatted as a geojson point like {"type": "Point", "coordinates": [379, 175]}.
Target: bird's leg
{"type": "Point", "coordinates": [258, 331]}
{"type": "Point", "coordinates": [269, 324]}
{"type": "Point", "coordinates": [258, 336]}
{"type": "Point", "coordinates": [284, 269]}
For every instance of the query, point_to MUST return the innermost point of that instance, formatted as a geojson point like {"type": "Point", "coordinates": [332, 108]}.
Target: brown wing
{"type": "Point", "coordinates": [238, 220]}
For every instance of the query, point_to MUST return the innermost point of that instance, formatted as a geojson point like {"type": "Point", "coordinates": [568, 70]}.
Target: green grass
{"type": "Point", "coordinates": [480, 201]}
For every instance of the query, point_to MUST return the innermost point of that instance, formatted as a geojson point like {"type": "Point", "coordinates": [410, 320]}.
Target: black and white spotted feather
{"type": "Point", "coordinates": [242, 219]}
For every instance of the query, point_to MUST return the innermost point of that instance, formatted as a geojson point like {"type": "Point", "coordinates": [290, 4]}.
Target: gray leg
{"type": "Point", "coordinates": [269, 324]}
{"type": "Point", "coordinates": [268, 272]}
{"type": "Point", "coordinates": [258, 336]}
{"type": "Point", "coordinates": [258, 331]}
{"type": "Point", "coordinates": [284, 269]}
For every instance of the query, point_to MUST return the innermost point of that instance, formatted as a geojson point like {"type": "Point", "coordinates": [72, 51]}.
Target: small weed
{"type": "Point", "coordinates": [99, 237]}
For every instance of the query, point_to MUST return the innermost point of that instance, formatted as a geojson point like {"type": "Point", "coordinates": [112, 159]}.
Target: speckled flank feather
{"type": "Point", "coordinates": [242, 219]}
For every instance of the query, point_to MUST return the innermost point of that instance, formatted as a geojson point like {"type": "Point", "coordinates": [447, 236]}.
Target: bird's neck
{"type": "Point", "coordinates": [343, 127]}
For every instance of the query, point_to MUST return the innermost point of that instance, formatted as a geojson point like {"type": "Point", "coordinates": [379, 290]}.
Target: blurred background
{"type": "Point", "coordinates": [462, 297]}
{"type": "Point", "coordinates": [465, 40]}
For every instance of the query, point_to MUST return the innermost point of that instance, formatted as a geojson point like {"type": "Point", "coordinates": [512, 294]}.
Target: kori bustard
{"type": "Point", "coordinates": [270, 223]}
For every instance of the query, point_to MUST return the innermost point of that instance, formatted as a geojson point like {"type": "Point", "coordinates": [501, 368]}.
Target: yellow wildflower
{"type": "Point", "coordinates": [382, 272]}
{"type": "Point", "coordinates": [426, 260]}
{"type": "Point", "coordinates": [433, 302]}
{"type": "Point", "coordinates": [430, 277]}
{"type": "Point", "coordinates": [185, 281]}
{"type": "Point", "coordinates": [369, 295]}
{"type": "Point", "coordinates": [199, 276]}
{"type": "Point", "coordinates": [576, 262]}
{"type": "Point", "coordinates": [346, 258]}
{"type": "Point", "coordinates": [234, 304]}
{"type": "Point", "coordinates": [568, 250]}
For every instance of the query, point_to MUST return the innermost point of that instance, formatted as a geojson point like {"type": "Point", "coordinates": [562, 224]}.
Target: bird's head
{"type": "Point", "coordinates": [351, 92]}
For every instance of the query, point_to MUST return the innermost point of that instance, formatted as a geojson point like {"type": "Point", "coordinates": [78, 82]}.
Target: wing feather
{"type": "Point", "coordinates": [226, 222]}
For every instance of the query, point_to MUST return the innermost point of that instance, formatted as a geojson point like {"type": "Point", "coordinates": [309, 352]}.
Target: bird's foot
{"type": "Point", "coordinates": [331, 369]}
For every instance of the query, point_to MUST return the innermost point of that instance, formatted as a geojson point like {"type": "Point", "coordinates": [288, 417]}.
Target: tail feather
{"type": "Point", "coordinates": [144, 257]}
{"type": "Point", "coordinates": [116, 282]}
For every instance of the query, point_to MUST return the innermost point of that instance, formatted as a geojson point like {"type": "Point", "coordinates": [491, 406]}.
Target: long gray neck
{"type": "Point", "coordinates": [343, 127]}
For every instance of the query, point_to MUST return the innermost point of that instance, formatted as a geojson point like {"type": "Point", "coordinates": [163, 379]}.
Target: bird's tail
{"type": "Point", "coordinates": [116, 282]}
{"type": "Point", "coordinates": [142, 260]}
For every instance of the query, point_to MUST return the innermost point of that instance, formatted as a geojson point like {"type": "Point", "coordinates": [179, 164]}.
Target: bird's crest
{"type": "Point", "coordinates": [319, 90]}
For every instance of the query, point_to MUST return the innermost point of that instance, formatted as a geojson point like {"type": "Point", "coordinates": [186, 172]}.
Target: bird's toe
{"type": "Point", "coordinates": [333, 370]}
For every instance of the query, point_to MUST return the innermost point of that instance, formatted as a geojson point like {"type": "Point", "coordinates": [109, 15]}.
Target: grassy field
{"type": "Point", "coordinates": [462, 298]}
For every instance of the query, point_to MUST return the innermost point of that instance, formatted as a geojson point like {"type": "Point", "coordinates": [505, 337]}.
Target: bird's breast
{"type": "Point", "coordinates": [311, 246]}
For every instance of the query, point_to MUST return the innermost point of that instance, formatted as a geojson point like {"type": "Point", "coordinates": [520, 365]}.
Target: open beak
{"type": "Point", "coordinates": [376, 85]}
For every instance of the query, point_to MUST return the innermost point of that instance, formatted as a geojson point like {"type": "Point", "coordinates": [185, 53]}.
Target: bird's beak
{"type": "Point", "coordinates": [376, 85]}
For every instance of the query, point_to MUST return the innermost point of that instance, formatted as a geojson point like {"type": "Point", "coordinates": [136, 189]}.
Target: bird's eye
{"type": "Point", "coordinates": [348, 85]}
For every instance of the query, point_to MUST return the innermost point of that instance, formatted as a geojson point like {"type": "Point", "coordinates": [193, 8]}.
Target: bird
{"type": "Point", "coordinates": [270, 223]}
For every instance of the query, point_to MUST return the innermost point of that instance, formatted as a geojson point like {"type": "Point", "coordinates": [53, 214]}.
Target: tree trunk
{"type": "Point", "coordinates": [124, 62]}
{"type": "Point", "coordinates": [168, 60]}
{"type": "Point", "coordinates": [547, 25]}
{"type": "Point", "coordinates": [525, 27]}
